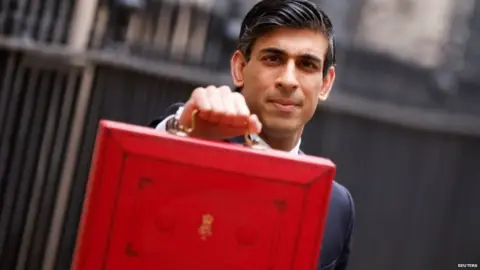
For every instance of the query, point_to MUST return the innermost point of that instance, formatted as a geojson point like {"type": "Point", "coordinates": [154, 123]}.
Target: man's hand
{"type": "Point", "coordinates": [222, 114]}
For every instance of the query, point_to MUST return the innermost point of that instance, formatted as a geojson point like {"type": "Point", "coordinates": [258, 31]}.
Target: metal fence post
{"type": "Point", "coordinates": [83, 20]}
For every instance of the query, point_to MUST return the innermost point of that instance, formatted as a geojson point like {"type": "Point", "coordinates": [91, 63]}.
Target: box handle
{"type": "Point", "coordinates": [184, 131]}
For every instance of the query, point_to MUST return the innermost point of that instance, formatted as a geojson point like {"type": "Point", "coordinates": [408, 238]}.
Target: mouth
{"type": "Point", "coordinates": [285, 105]}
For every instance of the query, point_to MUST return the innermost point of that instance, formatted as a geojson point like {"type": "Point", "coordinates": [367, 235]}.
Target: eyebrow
{"type": "Point", "coordinates": [307, 56]}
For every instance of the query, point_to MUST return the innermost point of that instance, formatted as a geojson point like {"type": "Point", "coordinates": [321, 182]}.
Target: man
{"type": "Point", "coordinates": [283, 68]}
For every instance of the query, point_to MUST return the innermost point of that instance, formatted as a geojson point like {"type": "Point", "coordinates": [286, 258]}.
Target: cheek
{"type": "Point", "coordinates": [255, 85]}
{"type": "Point", "coordinates": [311, 100]}
{"type": "Point", "coordinates": [259, 77]}
{"type": "Point", "coordinates": [311, 106]}
{"type": "Point", "coordinates": [252, 98]}
{"type": "Point", "coordinates": [313, 88]}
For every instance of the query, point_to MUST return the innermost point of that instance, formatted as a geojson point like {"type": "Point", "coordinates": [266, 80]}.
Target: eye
{"type": "Point", "coordinates": [309, 65]}
{"type": "Point", "coordinates": [272, 58]}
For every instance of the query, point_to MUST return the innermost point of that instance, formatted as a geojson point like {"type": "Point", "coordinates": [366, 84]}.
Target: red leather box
{"type": "Point", "coordinates": [160, 201]}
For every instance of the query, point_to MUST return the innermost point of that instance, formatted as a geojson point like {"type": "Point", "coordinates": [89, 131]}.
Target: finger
{"type": "Point", "coordinates": [227, 100]}
{"type": "Point", "coordinates": [224, 90]}
{"type": "Point", "coordinates": [198, 100]}
{"type": "Point", "coordinates": [229, 108]}
{"type": "Point", "coordinates": [254, 125]}
{"type": "Point", "coordinates": [215, 101]}
{"type": "Point", "coordinates": [243, 113]}
{"type": "Point", "coordinates": [240, 104]}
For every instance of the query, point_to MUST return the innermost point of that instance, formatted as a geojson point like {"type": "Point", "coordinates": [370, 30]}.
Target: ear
{"type": "Point", "coordinates": [327, 84]}
{"type": "Point", "coordinates": [237, 64]}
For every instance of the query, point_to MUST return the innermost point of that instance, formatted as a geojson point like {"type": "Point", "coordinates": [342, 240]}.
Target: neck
{"type": "Point", "coordinates": [286, 143]}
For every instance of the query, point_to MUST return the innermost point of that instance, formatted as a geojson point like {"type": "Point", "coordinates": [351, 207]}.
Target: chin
{"type": "Point", "coordinates": [280, 128]}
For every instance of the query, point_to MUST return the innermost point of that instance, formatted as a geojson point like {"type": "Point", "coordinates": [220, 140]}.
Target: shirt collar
{"type": "Point", "coordinates": [294, 151]}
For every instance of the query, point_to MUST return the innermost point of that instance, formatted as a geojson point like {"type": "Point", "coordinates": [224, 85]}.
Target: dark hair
{"type": "Point", "coordinates": [268, 15]}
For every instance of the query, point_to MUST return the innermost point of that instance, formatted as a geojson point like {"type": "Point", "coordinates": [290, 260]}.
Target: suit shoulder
{"type": "Point", "coordinates": [338, 230]}
{"type": "Point", "coordinates": [342, 194]}
{"type": "Point", "coordinates": [342, 201]}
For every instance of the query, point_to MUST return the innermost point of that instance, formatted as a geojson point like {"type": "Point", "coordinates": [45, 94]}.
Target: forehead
{"type": "Point", "coordinates": [293, 41]}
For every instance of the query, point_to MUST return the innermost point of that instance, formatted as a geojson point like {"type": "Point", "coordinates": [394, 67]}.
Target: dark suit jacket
{"type": "Point", "coordinates": [336, 244]}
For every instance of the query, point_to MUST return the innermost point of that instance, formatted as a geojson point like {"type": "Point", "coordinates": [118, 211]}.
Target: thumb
{"type": "Point", "coordinates": [185, 117]}
{"type": "Point", "coordinates": [254, 125]}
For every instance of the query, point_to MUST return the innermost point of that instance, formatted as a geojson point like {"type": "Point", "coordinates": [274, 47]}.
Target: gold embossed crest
{"type": "Point", "coordinates": [205, 229]}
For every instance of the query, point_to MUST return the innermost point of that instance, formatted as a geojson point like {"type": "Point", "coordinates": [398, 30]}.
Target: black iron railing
{"type": "Point", "coordinates": [195, 33]}
{"type": "Point", "coordinates": [36, 20]}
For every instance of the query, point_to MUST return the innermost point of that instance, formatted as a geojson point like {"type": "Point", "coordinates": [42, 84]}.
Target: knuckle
{"type": "Point", "coordinates": [225, 89]}
{"type": "Point", "coordinates": [240, 101]}
{"type": "Point", "coordinates": [198, 91]}
{"type": "Point", "coordinates": [198, 94]}
{"type": "Point", "coordinates": [210, 89]}
{"type": "Point", "coordinates": [237, 96]}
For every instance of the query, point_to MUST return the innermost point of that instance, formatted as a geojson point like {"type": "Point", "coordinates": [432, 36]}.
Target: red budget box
{"type": "Point", "coordinates": [159, 201]}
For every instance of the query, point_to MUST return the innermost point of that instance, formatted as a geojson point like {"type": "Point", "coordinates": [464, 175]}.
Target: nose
{"type": "Point", "coordinates": [287, 80]}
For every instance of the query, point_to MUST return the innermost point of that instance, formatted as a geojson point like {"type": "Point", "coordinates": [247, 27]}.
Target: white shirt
{"type": "Point", "coordinates": [163, 127]}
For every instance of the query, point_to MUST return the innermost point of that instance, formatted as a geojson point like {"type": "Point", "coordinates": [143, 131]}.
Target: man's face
{"type": "Point", "coordinates": [283, 80]}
